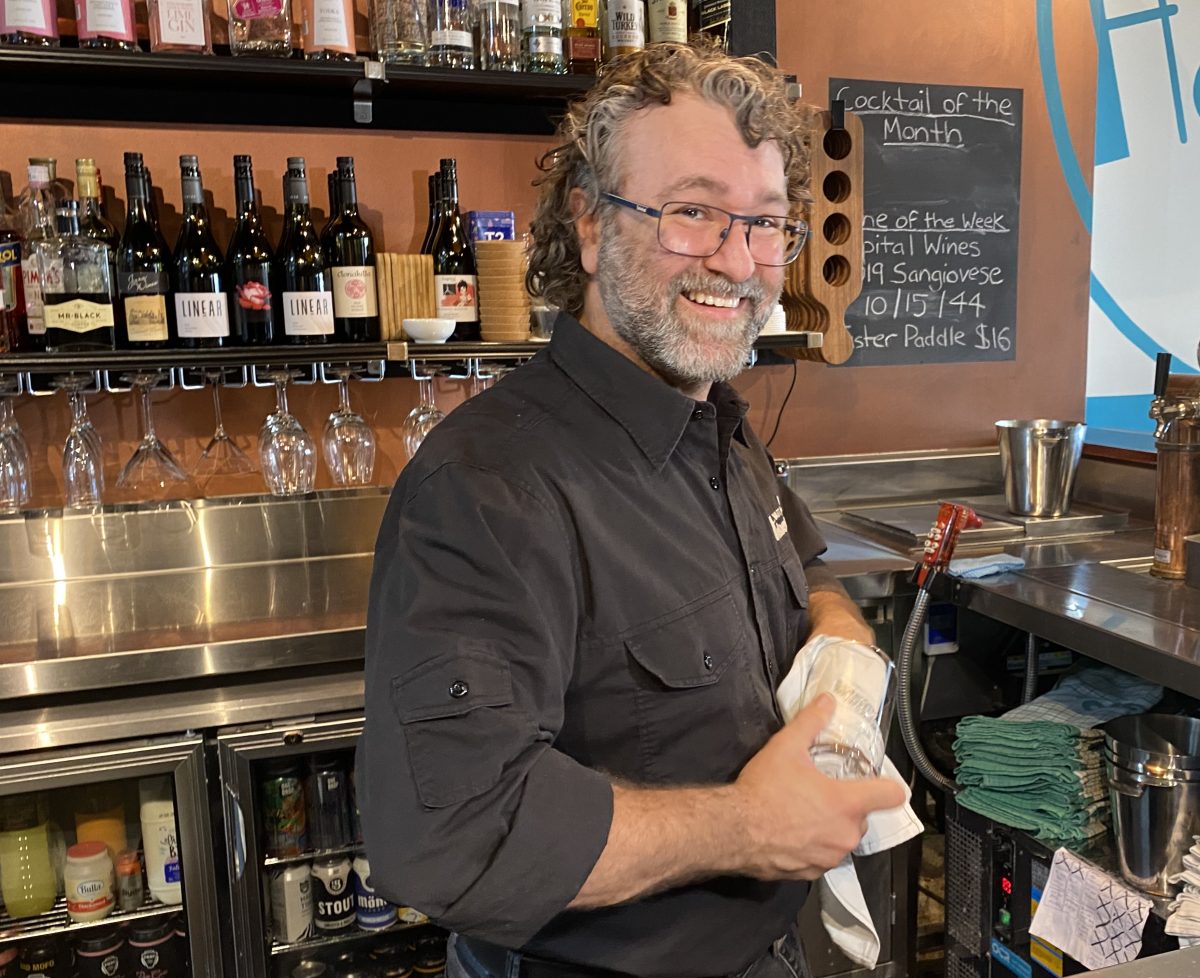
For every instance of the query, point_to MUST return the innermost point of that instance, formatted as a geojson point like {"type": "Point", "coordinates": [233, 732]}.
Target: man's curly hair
{"type": "Point", "coordinates": [588, 155]}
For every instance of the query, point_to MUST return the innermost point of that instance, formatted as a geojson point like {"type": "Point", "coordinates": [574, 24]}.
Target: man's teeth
{"type": "Point", "coordinates": [725, 302]}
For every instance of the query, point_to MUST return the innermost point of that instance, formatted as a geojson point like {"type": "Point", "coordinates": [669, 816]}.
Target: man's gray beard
{"type": "Point", "coordinates": [646, 319]}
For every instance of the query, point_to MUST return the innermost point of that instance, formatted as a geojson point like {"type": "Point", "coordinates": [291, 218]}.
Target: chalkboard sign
{"type": "Point", "coordinates": [941, 201]}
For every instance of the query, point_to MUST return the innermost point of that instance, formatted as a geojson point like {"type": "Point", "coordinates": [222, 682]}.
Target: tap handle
{"type": "Point", "coordinates": [1162, 367]}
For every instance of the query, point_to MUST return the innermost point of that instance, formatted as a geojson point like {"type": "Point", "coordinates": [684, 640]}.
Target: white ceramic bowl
{"type": "Point", "coordinates": [428, 330]}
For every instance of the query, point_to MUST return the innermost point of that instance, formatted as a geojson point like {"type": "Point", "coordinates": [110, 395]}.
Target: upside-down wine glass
{"type": "Point", "coordinates": [285, 448]}
{"type": "Point", "coordinates": [14, 457]}
{"type": "Point", "coordinates": [83, 457]}
{"type": "Point", "coordinates": [152, 466]}
{"type": "Point", "coordinates": [348, 441]}
{"type": "Point", "coordinates": [421, 419]}
{"type": "Point", "coordinates": [221, 456]}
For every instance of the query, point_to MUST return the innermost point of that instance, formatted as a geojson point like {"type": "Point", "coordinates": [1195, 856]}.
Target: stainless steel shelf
{"type": "Point", "coordinates": [311, 854]}
{"type": "Point", "coordinates": [349, 937]}
{"type": "Point", "coordinates": [57, 921]}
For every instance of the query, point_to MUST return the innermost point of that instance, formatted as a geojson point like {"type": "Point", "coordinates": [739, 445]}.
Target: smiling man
{"type": "Point", "coordinates": [589, 582]}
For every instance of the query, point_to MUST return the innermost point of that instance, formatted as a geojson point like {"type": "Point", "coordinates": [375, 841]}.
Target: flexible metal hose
{"type": "Point", "coordinates": [1029, 686]}
{"type": "Point", "coordinates": [904, 704]}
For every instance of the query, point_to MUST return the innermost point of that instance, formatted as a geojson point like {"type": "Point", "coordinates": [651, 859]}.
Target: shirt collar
{"type": "Point", "coordinates": [652, 412]}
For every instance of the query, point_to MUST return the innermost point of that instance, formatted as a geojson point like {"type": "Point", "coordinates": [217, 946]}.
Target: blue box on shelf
{"type": "Point", "coordinates": [492, 225]}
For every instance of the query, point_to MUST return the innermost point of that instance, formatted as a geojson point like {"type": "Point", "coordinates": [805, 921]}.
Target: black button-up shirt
{"type": "Point", "coordinates": [583, 575]}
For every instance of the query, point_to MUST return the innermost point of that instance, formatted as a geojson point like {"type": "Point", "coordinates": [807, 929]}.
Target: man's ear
{"type": "Point", "coordinates": [587, 226]}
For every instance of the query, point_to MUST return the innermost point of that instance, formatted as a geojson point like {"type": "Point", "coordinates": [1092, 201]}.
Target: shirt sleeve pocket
{"type": "Point", "coordinates": [459, 724]}
{"type": "Point", "coordinates": [797, 582]}
{"type": "Point", "coordinates": [692, 648]}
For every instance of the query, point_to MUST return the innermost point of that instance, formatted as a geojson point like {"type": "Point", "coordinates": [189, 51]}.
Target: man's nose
{"type": "Point", "coordinates": [733, 259]}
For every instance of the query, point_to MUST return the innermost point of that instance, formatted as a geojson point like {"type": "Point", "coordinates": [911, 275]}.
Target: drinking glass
{"type": "Point", "coordinates": [83, 458]}
{"type": "Point", "coordinates": [421, 419]}
{"type": "Point", "coordinates": [348, 441]}
{"type": "Point", "coordinates": [221, 456]}
{"type": "Point", "coordinates": [285, 449]}
{"type": "Point", "coordinates": [14, 458]}
{"type": "Point", "coordinates": [152, 466]}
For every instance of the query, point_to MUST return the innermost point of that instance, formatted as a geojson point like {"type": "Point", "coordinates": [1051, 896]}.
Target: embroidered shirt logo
{"type": "Point", "coordinates": [778, 523]}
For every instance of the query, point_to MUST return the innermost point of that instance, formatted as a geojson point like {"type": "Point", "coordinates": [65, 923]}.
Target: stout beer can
{"type": "Point", "coordinates": [333, 896]}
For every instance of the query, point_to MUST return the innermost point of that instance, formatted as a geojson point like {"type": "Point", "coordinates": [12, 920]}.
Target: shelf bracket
{"type": "Point", "coordinates": [364, 92]}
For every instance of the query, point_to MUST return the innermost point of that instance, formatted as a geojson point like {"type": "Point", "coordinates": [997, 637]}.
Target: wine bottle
{"type": "Point", "coordinates": [252, 304]}
{"type": "Point", "coordinates": [143, 267]}
{"type": "Point", "coordinates": [198, 277]}
{"type": "Point", "coordinates": [307, 286]}
{"type": "Point", "coordinates": [435, 209]}
{"type": "Point", "coordinates": [350, 255]}
{"type": "Point", "coordinates": [454, 263]}
{"type": "Point", "coordinates": [92, 221]}
{"type": "Point", "coordinates": [335, 207]}
{"type": "Point", "coordinates": [79, 290]}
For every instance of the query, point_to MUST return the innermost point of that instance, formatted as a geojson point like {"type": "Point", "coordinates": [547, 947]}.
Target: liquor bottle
{"type": "Point", "coordinates": [624, 27]}
{"type": "Point", "coordinates": [143, 267]}
{"type": "Point", "coordinates": [350, 257]}
{"type": "Point", "coordinates": [435, 210]}
{"type": "Point", "coordinates": [498, 35]}
{"type": "Point", "coordinates": [30, 24]}
{"type": "Point", "coordinates": [307, 282]}
{"type": "Point", "coordinates": [260, 28]}
{"type": "Point", "coordinates": [106, 25]}
{"type": "Point", "coordinates": [252, 303]}
{"type": "Point", "coordinates": [36, 222]}
{"type": "Point", "coordinates": [198, 279]}
{"type": "Point", "coordinates": [92, 221]}
{"type": "Point", "coordinates": [541, 36]}
{"type": "Point", "coordinates": [666, 20]}
{"type": "Point", "coordinates": [451, 44]}
{"type": "Point", "coordinates": [79, 287]}
{"type": "Point", "coordinates": [181, 26]}
{"type": "Point", "coordinates": [713, 17]}
{"type": "Point", "coordinates": [60, 190]}
{"type": "Point", "coordinates": [12, 290]}
{"type": "Point", "coordinates": [399, 31]}
{"type": "Point", "coordinates": [455, 285]}
{"type": "Point", "coordinates": [582, 37]}
{"type": "Point", "coordinates": [329, 30]}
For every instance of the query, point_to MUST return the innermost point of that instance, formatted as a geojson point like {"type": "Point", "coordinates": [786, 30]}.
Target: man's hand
{"type": "Point", "coordinates": [799, 823]}
{"type": "Point", "coordinates": [833, 613]}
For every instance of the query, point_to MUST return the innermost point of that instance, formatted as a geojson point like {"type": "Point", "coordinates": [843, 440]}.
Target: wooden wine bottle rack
{"type": "Point", "coordinates": [827, 276]}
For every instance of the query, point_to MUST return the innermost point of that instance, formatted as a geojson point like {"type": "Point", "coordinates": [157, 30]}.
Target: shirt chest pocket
{"type": "Point", "coordinates": [688, 675]}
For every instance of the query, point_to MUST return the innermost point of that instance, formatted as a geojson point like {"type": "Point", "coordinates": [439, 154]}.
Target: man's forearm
{"type": "Point", "coordinates": [661, 838]}
{"type": "Point", "coordinates": [831, 612]}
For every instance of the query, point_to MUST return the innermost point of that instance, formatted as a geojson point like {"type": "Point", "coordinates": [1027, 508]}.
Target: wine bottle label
{"type": "Point", "coordinates": [541, 13]}
{"type": "Point", "coordinates": [626, 26]}
{"type": "Point", "coordinates": [308, 313]}
{"type": "Point", "coordinates": [256, 9]}
{"type": "Point", "coordinates": [146, 318]}
{"type": "Point", "coordinates": [456, 297]}
{"type": "Point", "coordinates": [10, 273]}
{"type": "Point", "coordinates": [104, 18]}
{"type": "Point", "coordinates": [354, 292]}
{"type": "Point", "coordinates": [147, 282]}
{"type": "Point", "coordinates": [181, 22]}
{"type": "Point", "coordinates": [199, 315]}
{"type": "Point", "coordinates": [78, 315]}
{"type": "Point", "coordinates": [253, 296]}
{"type": "Point", "coordinates": [331, 29]}
{"type": "Point", "coordinates": [583, 13]}
{"type": "Point", "coordinates": [452, 39]}
{"type": "Point", "coordinates": [32, 16]}
{"type": "Point", "coordinates": [667, 21]}
{"type": "Point", "coordinates": [541, 44]}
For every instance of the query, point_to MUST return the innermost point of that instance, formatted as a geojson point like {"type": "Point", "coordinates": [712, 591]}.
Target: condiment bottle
{"type": "Point", "coordinates": [88, 877]}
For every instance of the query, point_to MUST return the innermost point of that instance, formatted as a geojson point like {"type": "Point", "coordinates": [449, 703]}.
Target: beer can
{"type": "Point", "coordinates": [328, 796]}
{"type": "Point", "coordinates": [283, 809]}
{"type": "Point", "coordinates": [371, 910]}
{"type": "Point", "coordinates": [333, 896]}
{"type": "Point", "coordinates": [99, 954]}
{"type": "Point", "coordinates": [292, 903]}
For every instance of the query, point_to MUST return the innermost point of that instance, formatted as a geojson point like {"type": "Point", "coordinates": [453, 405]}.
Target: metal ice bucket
{"type": "Point", "coordinates": [1152, 763]}
{"type": "Point", "coordinates": [1039, 459]}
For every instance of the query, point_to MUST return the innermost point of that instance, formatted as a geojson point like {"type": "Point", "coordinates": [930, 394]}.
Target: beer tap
{"type": "Point", "coordinates": [1164, 410]}
{"type": "Point", "coordinates": [1176, 413]}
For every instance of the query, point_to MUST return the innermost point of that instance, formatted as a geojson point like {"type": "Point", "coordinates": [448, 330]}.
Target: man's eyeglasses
{"type": "Point", "coordinates": [699, 230]}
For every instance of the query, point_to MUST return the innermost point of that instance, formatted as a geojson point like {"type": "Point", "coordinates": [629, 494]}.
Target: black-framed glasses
{"type": "Point", "coordinates": [699, 230]}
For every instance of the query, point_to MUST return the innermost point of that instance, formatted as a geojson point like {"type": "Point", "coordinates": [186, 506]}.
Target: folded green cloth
{"type": "Point", "coordinates": [1050, 823]}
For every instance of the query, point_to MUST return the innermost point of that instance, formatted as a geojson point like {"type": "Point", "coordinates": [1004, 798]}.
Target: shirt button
{"type": "Point", "coordinates": [459, 689]}
{"type": "Point", "coordinates": [697, 415]}
{"type": "Point", "coordinates": [708, 662]}
{"type": "Point", "coordinates": [715, 482]}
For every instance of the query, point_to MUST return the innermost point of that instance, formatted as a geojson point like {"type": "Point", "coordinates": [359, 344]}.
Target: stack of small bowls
{"type": "Point", "coordinates": [503, 301]}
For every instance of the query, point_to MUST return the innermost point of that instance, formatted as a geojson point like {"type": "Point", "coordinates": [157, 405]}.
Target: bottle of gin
{"type": "Point", "coordinates": [541, 36]}
{"type": "Point", "coordinates": [260, 28]}
{"type": "Point", "coordinates": [79, 287]}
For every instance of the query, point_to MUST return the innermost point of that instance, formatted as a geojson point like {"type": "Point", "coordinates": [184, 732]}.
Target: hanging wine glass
{"type": "Point", "coordinates": [285, 448]}
{"type": "Point", "coordinates": [152, 468]}
{"type": "Point", "coordinates": [421, 419]}
{"type": "Point", "coordinates": [83, 458]}
{"type": "Point", "coordinates": [348, 441]}
{"type": "Point", "coordinates": [221, 456]}
{"type": "Point", "coordinates": [15, 482]}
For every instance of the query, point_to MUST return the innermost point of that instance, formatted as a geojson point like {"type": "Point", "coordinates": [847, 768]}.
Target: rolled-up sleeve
{"type": "Point", "coordinates": [469, 813]}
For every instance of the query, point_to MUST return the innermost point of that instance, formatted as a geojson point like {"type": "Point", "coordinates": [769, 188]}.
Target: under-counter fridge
{"type": "Point", "coordinates": [299, 877]}
{"type": "Point", "coordinates": [106, 862]}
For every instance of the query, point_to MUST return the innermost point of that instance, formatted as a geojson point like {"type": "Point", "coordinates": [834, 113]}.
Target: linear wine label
{"type": "Point", "coordinates": [354, 292]}
{"type": "Point", "coordinates": [201, 314]}
{"type": "Point", "coordinates": [308, 313]}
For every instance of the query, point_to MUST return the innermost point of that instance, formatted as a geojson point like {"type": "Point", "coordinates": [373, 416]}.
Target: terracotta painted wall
{"type": "Point", "coordinates": [847, 409]}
